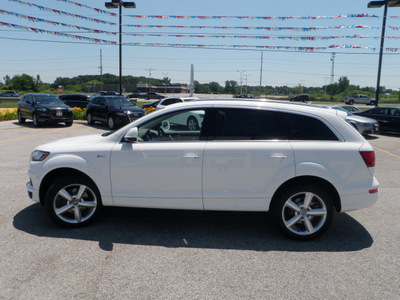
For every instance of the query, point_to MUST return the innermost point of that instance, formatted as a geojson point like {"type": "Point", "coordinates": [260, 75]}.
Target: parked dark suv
{"type": "Point", "coordinates": [44, 108]}
{"type": "Point", "coordinates": [301, 97]}
{"type": "Point", "coordinates": [75, 100]}
{"type": "Point", "coordinates": [113, 110]}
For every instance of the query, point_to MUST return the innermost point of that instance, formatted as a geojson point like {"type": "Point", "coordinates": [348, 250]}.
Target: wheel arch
{"type": "Point", "coordinates": [56, 173]}
{"type": "Point", "coordinates": [303, 180]}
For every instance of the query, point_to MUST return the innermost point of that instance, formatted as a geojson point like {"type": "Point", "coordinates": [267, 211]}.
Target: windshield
{"type": "Point", "coordinates": [342, 109]}
{"type": "Point", "coordinates": [119, 102]}
{"type": "Point", "coordinates": [47, 99]}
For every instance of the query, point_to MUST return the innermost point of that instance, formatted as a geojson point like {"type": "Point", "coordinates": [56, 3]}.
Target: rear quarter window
{"type": "Point", "coordinates": [301, 127]}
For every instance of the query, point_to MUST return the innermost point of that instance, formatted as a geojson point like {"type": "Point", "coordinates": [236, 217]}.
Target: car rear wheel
{"type": "Point", "coordinates": [20, 118]}
{"type": "Point", "coordinates": [89, 118]}
{"type": "Point", "coordinates": [111, 122]}
{"type": "Point", "coordinates": [303, 212]}
{"type": "Point", "coordinates": [36, 122]}
{"type": "Point", "coordinates": [72, 201]}
{"type": "Point", "coordinates": [351, 102]}
{"type": "Point", "coordinates": [192, 123]}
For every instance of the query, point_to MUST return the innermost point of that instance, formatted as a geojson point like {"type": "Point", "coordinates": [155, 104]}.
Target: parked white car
{"type": "Point", "coordinates": [173, 100]}
{"type": "Point", "coordinates": [299, 162]}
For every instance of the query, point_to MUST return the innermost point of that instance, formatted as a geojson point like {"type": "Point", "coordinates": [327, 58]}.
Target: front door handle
{"type": "Point", "coordinates": [191, 156]}
{"type": "Point", "coordinates": [279, 156]}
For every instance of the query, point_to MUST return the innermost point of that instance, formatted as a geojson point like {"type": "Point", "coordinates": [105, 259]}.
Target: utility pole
{"type": "Point", "coordinates": [150, 69]}
{"type": "Point", "coordinates": [241, 80]}
{"type": "Point", "coordinates": [333, 68]}
{"type": "Point", "coordinates": [101, 68]}
{"type": "Point", "coordinates": [246, 75]}
{"type": "Point", "coordinates": [261, 71]}
{"type": "Point", "coordinates": [325, 86]}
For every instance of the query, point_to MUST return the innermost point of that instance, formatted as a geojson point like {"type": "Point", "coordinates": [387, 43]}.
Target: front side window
{"type": "Point", "coordinates": [185, 125]}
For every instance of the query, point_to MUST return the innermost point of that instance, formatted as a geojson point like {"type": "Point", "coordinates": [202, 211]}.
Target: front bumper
{"type": "Point", "coordinates": [55, 116]}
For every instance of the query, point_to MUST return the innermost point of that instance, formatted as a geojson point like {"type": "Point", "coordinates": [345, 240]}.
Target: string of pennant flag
{"type": "Point", "coordinates": [252, 17]}
{"type": "Point", "coordinates": [89, 7]}
{"type": "Point", "coordinates": [59, 12]}
{"type": "Point", "coordinates": [256, 28]}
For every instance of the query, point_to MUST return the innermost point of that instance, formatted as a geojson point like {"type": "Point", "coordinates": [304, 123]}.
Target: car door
{"type": "Point", "coordinates": [246, 161]}
{"type": "Point", "coordinates": [382, 115]}
{"type": "Point", "coordinates": [162, 170]}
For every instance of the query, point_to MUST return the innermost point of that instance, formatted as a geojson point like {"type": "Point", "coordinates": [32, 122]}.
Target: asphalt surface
{"type": "Point", "coordinates": [163, 254]}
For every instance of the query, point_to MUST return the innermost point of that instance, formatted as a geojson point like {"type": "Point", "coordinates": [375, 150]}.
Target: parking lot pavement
{"type": "Point", "coordinates": [162, 254]}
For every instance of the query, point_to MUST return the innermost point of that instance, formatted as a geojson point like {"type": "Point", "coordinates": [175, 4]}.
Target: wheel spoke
{"type": "Point", "coordinates": [293, 206]}
{"type": "Point", "coordinates": [63, 193]}
{"type": "Point", "coordinates": [307, 200]}
{"type": "Point", "coordinates": [308, 225]}
{"type": "Point", "coordinates": [63, 209]}
{"type": "Point", "coordinates": [77, 214]}
{"type": "Point", "coordinates": [293, 221]}
{"type": "Point", "coordinates": [316, 212]}
{"type": "Point", "coordinates": [82, 189]}
{"type": "Point", "coordinates": [89, 204]}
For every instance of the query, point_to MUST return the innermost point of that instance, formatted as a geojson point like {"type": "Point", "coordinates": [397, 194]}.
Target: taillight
{"type": "Point", "coordinates": [369, 158]}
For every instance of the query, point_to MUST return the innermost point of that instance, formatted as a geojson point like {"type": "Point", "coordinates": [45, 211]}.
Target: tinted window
{"type": "Point", "coordinates": [300, 127]}
{"type": "Point", "coordinates": [246, 124]}
{"type": "Point", "coordinates": [119, 102]}
{"type": "Point", "coordinates": [46, 99]}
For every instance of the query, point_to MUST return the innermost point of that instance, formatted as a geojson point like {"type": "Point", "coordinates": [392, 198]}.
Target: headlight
{"type": "Point", "coordinates": [69, 109]}
{"type": "Point", "coordinates": [42, 109]}
{"type": "Point", "coordinates": [39, 155]}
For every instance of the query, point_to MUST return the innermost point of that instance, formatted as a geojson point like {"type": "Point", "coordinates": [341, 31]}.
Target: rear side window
{"type": "Point", "coordinates": [246, 124]}
{"type": "Point", "coordinates": [307, 128]}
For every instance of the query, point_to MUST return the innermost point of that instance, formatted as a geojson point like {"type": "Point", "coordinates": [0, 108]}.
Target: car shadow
{"type": "Point", "coordinates": [29, 124]}
{"type": "Point", "coordinates": [193, 229]}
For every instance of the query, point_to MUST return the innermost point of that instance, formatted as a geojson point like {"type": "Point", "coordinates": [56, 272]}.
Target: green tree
{"type": "Point", "coordinates": [23, 82]}
{"type": "Point", "coordinates": [230, 87]}
{"type": "Point", "coordinates": [215, 87]}
{"type": "Point", "coordinates": [343, 84]}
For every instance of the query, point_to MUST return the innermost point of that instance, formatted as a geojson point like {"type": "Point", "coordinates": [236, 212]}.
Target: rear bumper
{"type": "Point", "coordinates": [362, 200]}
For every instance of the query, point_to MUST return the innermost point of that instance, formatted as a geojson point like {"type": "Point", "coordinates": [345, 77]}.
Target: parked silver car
{"type": "Point", "coordinates": [362, 124]}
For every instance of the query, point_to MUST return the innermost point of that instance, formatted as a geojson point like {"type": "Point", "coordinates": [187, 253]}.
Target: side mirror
{"type": "Point", "coordinates": [132, 135]}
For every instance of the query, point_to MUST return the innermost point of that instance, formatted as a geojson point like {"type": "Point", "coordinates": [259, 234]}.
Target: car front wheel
{"type": "Point", "coordinates": [89, 118]}
{"type": "Point", "coordinates": [36, 122]}
{"type": "Point", "coordinates": [303, 212]}
{"type": "Point", "coordinates": [351, 102]}
{"type": "Point", "coordinates": [20, 118]}
{"type": "Point", "coordinates": [72, 201]}
{"type": "Point", "coordinates": [111, 122]}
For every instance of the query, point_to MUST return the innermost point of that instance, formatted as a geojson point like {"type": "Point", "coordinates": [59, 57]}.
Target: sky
{"type": "Point", "coordinates": [52, 56]}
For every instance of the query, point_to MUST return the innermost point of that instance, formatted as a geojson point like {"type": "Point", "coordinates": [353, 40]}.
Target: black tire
{"type": "Point", "coordinates": [372, 103]}
{"type": "Point", "coordinates": [68, 124]}
{"type": "Point", "coordinates": [351, 102]}
{"type": "Point", "coordinates": [36, 122]}
{"type": "Point", "coordinates": [111, 122]}
{"type": "Point", "coordinates": [89, 118]}
{"type": "Point", "coordinates": [299, 220]}
{"type": "Point", "coordinates": [72, 201]}
{"type": "Point", "coordinates": [192, 123]}
{"type": "Point", "coordinates": [21, 120]}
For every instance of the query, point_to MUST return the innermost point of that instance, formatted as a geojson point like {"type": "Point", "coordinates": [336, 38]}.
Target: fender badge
{"type": "Point", "coordinates": [98, 156]}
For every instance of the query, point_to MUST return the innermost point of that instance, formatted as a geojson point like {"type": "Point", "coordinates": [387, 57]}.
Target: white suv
{"type": "Point", "coordinates": [300, 163]}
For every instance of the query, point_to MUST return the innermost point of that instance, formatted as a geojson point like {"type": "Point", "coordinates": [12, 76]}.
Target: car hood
{"type": "Point", "coordinates": [51, 105]}
{"type": "Point", "coordinates": [78, 142]}
{"type": "Point", "coordinates": [127, 108]}
{"type": "Point", "coordinates": [361, 119]}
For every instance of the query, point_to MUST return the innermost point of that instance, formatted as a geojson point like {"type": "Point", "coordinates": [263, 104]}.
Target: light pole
{"type": "Point", "coordinates": [376, 4]}
{"type": "Point", "coordinates": [118, 4]}
{"type": "Point", "coordinates": [241, 80]}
